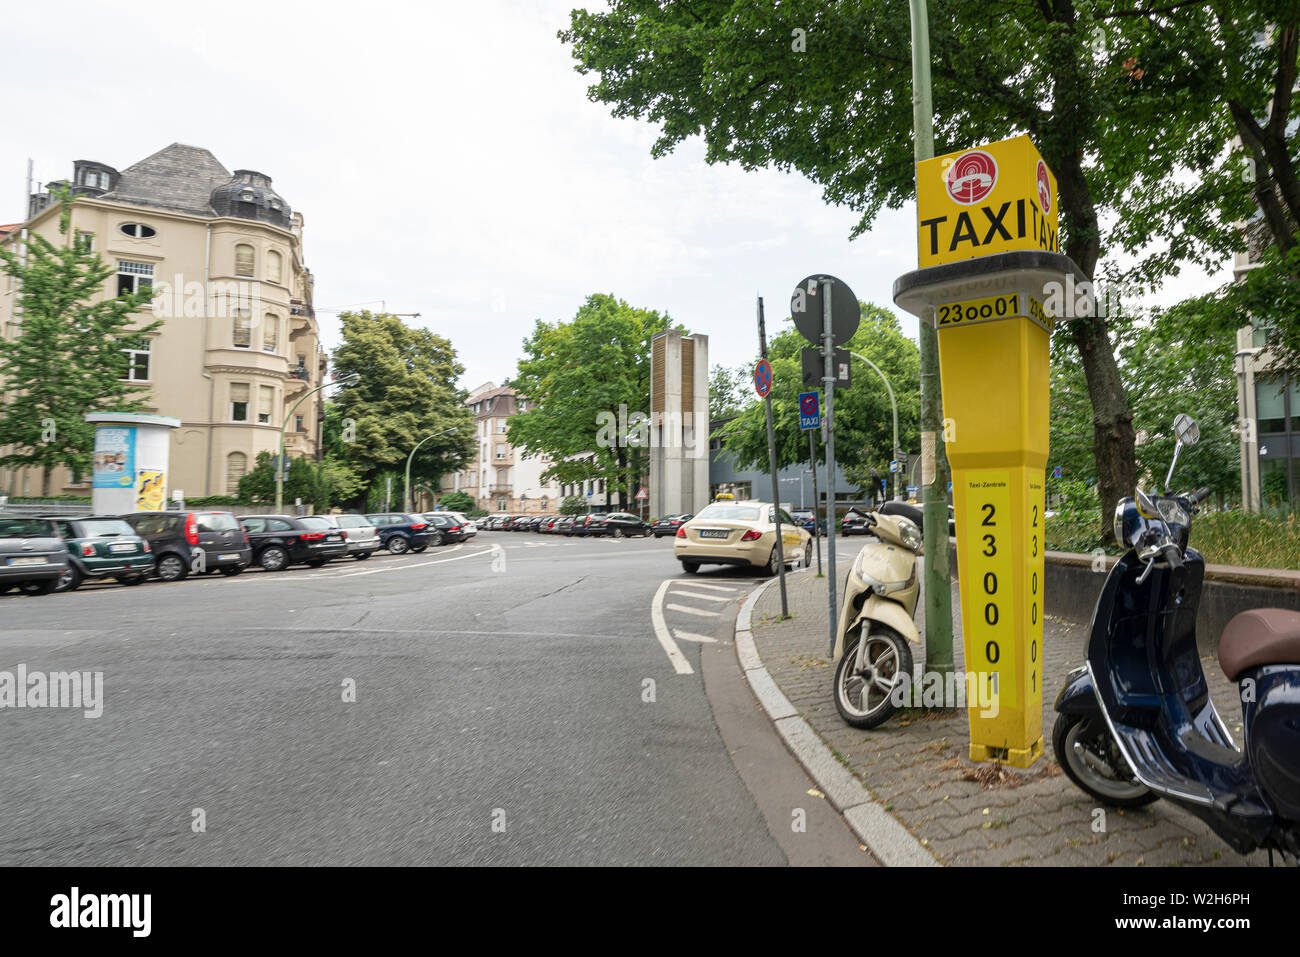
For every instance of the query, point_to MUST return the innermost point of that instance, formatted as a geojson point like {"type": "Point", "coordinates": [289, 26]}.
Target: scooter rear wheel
{"type": "Point", "coordinates": [866, 699]}
{"type": "Point", "coordinates": [1071, 737]}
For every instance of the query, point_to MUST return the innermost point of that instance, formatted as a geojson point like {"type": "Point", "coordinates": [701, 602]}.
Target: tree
{"type": "Point", "coordinates": [458, 502]}
{"type": "Point", "coordinates": [729, 390]}
{"type": "Point", "coordinates": [67, 358]}
{"type": "Point", "coordinates": [1173, 362]}
{"type": "Point", "coordinates": [577, 378]}
{"type": "Point", "coordinates": [863, 415]}
{"type": "Point", "coordinates": [406, 393]}
{"type": "Point", "coordinates": [822, 87]}
{"type": "Point", "coordinates": [323, 484]}
{"type": "Point", "coordinates": [573, 505]}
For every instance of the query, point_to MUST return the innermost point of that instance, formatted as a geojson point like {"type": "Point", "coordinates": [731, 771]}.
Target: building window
{"type": "Point", "coordinates": [244, 261]}
{"type": "Point", "coordinates": [501, 426]}
{"type": "Point", "coordinates": [503, 504]}
{"type": "Point", "coordinates": [133, 277]}
{"type": "Point", "coordinates": [137, 359]}
{"type": "Point", "coordinates": [265, 401]}
{"type": "Point", "coordinates": [274, 267]}
{"type": "Point", "coordinates": [545, 503]}
{"type": "Point", "coordinates": [137, 230]}
{"type": "Point", "coordinates": [298, 423]}
{"type": "Point", "coordinates": [1270, 405]}
{"type": "Point", "coordinates": [242, 336]}
{"type": "Point", "coordinates": [87, 241]}
{"type": "Point", "coordinates": [239, 402]}
{"type": "Point", "coordinates": [501, 450]}
{"type": "Point", "coordinates": [271, 334]}
{"type": "Point", "coordinates": [236, 468]}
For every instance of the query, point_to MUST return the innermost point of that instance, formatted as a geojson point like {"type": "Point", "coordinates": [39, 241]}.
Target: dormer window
{"type": "Point", "coordinates": [137, 230]}
{"type": "Point", "coordinates": [247, 196]}
{"type": "Point", "coordinates": [275, 204]}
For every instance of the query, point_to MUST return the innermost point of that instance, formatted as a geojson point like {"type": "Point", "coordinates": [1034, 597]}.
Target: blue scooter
{"type": "Point", "coordinates": [1136, 723]}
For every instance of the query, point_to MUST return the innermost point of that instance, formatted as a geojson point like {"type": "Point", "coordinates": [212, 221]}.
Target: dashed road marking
{"type": "Point", "coordinates": [695, 594]}
{"type": "Point", "coordinates": [691, 636]}
{"type": "Point", "coordinates": [675, 656]}
{"type": "Point", "coordinates": [693, 611]}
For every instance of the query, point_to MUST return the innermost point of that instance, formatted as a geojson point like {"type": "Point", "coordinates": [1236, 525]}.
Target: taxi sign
{"type": "Point", "coordinates": [991, 199]}
{"type": "Point", "coordinates": [810, 416]}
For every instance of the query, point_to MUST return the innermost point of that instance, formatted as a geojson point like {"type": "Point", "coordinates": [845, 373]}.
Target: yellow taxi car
{"type": "Point", "coordinates": [728, 532]}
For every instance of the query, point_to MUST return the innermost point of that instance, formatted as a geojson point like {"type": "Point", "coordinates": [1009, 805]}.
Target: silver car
{"type": "Point", "coordinates": [360, 532]}
{"type": "Point", "coordinates": [468, 527]}
{"type": "Point", "coordinates": [32, 556]}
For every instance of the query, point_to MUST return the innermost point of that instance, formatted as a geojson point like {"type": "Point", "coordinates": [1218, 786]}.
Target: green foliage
{"type": "Point", "coordinates": [67, 358]}
{"type": "Point", "coordinates": [1249, 540]}
{"type": "Point", "coordinates": [407, 392]}
{"type": "Point", "coordinates": [214, 501]}
{"type": "Point", "coordinates": [322, 484]}
{"type": "Point", "coordinates": [573, 505]}
{"type": "Point", "coordinates": [729, 390]}
{"type": "Point", "coordinates": [458, 502]}
{"type": "Point", "coordinates": [863, 415]}
{"type": "Point", "coordinates": [577, 375]}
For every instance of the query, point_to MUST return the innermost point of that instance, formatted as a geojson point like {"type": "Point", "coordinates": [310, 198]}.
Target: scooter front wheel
{"type": "Point", "coordinates": [1090, 758]}
{"type": "Point", "coordinates": [866, 698]}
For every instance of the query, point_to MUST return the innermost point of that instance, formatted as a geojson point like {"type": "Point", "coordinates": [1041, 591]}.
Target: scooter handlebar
{"type": "Point", "coordinates": [1200, 495]}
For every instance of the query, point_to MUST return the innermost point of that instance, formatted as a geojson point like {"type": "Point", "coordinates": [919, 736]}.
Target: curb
{"type": "Point", "coordinates": [891, 843]}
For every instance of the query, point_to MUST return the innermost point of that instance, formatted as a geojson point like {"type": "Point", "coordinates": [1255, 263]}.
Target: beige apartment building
{"type": "Point", "coordinates": [502, 478]}
{"type": "Point", "coordinates": [239, 345]}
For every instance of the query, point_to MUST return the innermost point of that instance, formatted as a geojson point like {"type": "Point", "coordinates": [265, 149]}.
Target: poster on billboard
{"type": "Point", "coordinates": [150, 490]}
{"type": "Point", "coordinates": [114, 457]}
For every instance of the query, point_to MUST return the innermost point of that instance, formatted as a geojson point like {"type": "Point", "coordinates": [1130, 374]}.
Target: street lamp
{"type": "Point", "coordinates": [280, 469]}
{"type": "Point", "coordinates": [406, 486]}
{"type": "Point", "coordinates": [893, 404]}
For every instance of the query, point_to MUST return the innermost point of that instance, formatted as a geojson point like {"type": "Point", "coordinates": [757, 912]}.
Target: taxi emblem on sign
{"type": "Point", "coordinates": [971, 177]}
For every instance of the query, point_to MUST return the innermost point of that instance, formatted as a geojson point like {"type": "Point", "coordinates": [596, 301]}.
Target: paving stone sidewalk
{"type": "Point", "coordinates": [916, 764]}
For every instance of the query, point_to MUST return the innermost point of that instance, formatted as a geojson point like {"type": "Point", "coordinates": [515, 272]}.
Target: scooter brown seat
{"type": "Point", "coordinates": [1261, 636]}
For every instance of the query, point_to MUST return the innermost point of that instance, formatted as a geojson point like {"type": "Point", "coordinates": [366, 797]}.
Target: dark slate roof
{"type": "Point", "coordinates": [178, 177]}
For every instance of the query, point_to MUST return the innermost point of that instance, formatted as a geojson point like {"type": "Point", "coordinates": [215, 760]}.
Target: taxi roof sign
{"type": "Point", "coordinates": [990, 199]}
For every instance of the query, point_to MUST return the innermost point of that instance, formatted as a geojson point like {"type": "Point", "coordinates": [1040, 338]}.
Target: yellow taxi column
{"type": "Point", "coordinates": [988, 247]}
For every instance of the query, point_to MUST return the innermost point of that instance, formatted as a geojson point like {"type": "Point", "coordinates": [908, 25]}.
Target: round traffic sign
{"type": "Point", "coordinates": [806, 309]}
{"type": "Point", "coordinates": [808, 403]}
{"type": "Point", "coordinates": [763, 378]}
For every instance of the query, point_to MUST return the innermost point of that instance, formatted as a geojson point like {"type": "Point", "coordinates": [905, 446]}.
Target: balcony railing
{"type": "Point", "coordinates": [300, 372]}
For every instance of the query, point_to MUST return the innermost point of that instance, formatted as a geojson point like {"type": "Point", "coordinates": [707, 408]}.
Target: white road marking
{"type": "Point", "coordinates": [437, 561]}
{"type": "Point", "coordinates": [702, 597]}
{"type": "Point", "coordinates": [691, 636]}
{"type": "Point", "coordinates": [679, 662]}
{"type": "Point", "coordinates": [727, 588]}
{"type": "Point", "coordinates": [694, 611]}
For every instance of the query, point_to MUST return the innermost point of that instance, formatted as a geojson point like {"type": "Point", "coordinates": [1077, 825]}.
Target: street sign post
{"type": "Point", "coordinates": [763, 386]}
{"type": "Point", "coordinates": [840, 315]}
{"type": "Point", "coordinates": [983, 290]}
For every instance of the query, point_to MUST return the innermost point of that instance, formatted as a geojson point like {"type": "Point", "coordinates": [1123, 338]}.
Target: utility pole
{"type": "Point", "coordinates": [771, 460]}
{"type": "Point", "coordinates": [934, 461]}
{"type": "Point", "coordinates": [828, 380]}
{"type": "Point", "coordinates": [817, 524]}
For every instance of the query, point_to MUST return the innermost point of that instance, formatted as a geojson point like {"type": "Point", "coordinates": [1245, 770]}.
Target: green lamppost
{"type": "Point", "coordinates": [280, 467]}
{"type": "Point", "coordinates": [406, 488]}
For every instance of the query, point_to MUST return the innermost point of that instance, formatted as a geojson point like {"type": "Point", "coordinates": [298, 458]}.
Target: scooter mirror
{"type": "Point", "coordinates": [1146, 507]}
{"type": "Point", "coordinates": [1186, 428]}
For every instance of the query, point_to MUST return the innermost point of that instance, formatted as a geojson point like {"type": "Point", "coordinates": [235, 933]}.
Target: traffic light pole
{"type": "Point", "coordinates": [828, 381]}
{"type": "Point", "coordinates": [934, 462]}
{"type": "Point", "coordinates": [771, 460]}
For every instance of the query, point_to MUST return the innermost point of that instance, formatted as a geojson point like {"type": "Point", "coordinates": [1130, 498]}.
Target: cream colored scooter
{"type": "Point", "coordinates": [873, 652]}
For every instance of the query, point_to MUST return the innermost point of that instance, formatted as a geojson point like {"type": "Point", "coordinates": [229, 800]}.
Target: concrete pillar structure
{"type": "Point", "coordinates": [679, 423]}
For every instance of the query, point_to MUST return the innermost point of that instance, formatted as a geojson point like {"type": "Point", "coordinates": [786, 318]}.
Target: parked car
{"type": "Point", "coordinates": [854, 523]}
{"type": "Point", "coordinates": [102, 546]}
{"type": "Point", "coordinates": [583, 523]}
{"type": "Point", "coordinates": [176, 538]}
{"type": "Point", "coordinates": [402, 532]}
{"type": "Point", "coordinates": [467, 525]}
{"type": "Point", "coordinates": [279, 541]}
{"type": "Point", "coordinates": [564, 525]}
{"type": "Point", "coordinates": [32, 556]}
{"type": "Point", "coordinates": [668, 525]}
{"type": "Point", "coordinates": [619, 525]}
{"type": "Point", "coordinates": [452, 530]}
{"type": "Point", "coordinates": [359, 532]}
{"type": "Point", "coordinates": [808, 519]}
{"type": "Point", "coordinates": [740, 533]}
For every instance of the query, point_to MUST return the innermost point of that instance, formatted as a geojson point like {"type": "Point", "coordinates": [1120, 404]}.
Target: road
{"type": "Point", "coordinates": [514, 703]}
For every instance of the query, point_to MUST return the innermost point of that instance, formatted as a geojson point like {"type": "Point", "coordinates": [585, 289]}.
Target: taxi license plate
{"type": "Point", "coordinates": [713, 533]}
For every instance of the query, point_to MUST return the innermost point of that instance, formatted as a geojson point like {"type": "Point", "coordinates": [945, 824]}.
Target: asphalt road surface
{"type": "Point", "coordinates": [514, 703]}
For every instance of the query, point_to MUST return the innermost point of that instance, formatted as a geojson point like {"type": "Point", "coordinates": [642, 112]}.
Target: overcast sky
{"type": "Point", "coordinates": [446, 160]}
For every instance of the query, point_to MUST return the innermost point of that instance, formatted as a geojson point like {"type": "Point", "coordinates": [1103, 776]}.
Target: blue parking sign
{"type": "Point", "coordinates": [810, 415]}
